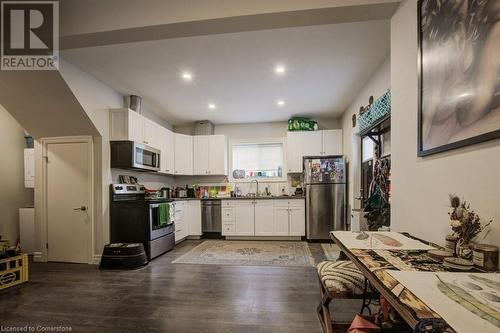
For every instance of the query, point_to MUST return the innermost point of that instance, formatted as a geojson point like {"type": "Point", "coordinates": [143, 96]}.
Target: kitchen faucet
{"type": "Point", "coordinates": [257, 183]}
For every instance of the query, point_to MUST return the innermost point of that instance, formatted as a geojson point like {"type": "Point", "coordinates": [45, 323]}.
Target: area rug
{"type": "Point", "coordinates": [332, 251]}
{"type": "Point", "coordinates": [249, 253]}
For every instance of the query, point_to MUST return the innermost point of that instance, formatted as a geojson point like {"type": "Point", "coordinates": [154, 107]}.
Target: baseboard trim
{"type": "Point", "coordinates": [37, 256]}
{"type": "Point", "coordinates": [282, 238]}
{"type": "Point", "coordinates": [193, 237]}
{"type": "Point", "coordinates": [96, 259]}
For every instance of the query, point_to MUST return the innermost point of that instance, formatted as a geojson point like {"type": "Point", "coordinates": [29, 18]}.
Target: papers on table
{"type": "Point", "coordinates": [468, 302]}
{"type": "Point", "coordinates": [379, 240]}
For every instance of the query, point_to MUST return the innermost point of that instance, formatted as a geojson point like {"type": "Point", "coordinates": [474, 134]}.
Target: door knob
{"type": "Point", "coordinates": [82, 208]}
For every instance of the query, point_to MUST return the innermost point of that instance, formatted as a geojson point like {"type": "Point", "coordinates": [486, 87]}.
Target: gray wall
{"type": "Point", "coordinates": [13, 195]}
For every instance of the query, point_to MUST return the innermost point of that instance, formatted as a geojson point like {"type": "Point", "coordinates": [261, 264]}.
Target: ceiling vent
{"type": "Point", "coordinates": [133, 102]}
{"type": "Point", "coordinates": [203, 127]}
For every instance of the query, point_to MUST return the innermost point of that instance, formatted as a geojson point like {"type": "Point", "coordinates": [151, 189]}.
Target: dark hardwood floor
{"type": "Point", "coordinates": [166, 297]}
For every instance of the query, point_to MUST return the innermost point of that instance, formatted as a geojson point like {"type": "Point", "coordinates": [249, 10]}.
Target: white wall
{"type": "Point", "coordinates": [256, 130]}
{"type": "Point", "coordinates": [378, 83]}
{"type": "Point", "coordinates": [88, 16]}
{"type": "Point", "coordinates": [420, 186]}
{"type": "Point", "coordinates": [248, 131]}
{"type": "Point", "coordinates": [13, 195]}
{"type": "Point", "coordinates": [96, 99]}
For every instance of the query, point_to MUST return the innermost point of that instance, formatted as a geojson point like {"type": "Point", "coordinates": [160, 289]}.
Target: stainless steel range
{"type": "Point", "coordinates": [136, 219]}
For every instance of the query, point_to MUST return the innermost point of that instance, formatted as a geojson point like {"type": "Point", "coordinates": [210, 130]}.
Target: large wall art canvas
{"type": "Point", "coordinates": [459, 73]}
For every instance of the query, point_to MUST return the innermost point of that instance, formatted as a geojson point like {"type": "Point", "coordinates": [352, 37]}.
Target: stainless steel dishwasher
{"type": "Point", "coordinates": [211, 216]}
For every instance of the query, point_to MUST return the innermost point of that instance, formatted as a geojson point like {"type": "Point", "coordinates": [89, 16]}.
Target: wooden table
{"type": "Point", "coordinates": [410, 308]}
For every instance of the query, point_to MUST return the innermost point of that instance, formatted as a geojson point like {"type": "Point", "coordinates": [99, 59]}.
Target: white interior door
{"type": "Point", "coordinates": [68, 200]}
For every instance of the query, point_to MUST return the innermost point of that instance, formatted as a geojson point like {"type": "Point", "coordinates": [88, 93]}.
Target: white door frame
{"type": "Point", "coordinates": [44, 211]}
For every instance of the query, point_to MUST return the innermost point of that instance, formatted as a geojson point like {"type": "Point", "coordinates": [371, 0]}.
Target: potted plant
{"type": "Point", "coordinates": [466, 225]}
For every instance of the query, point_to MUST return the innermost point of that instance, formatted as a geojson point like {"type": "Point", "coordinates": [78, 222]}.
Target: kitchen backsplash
{"type": "Point", "coordinates": [275, 188]}
{"type": "Point", "coordinates": [150, 180]}
{"type": "Point", "coordinates": [153, 181]}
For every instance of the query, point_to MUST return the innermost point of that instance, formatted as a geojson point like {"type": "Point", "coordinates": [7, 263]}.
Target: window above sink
{"type": "Point", "coordinates": [261, 160]}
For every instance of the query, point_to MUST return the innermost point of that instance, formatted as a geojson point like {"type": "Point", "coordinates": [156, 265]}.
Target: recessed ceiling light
{"type": "Point", "coordinates": [211, 106]}
{"type": "Point", "coordinates": [280, 102]}
{"type": "Point", "coordinates": [280, 69]}
{"type": "Point", "coordinates": [187, 76]}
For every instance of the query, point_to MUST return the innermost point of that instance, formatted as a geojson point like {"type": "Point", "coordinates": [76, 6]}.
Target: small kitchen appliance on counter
{"type": "Point", "coordinates": [137, 218]}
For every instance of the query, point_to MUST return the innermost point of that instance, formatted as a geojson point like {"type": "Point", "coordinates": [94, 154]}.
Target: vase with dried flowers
{"type": "Point", "coordinates": [466, 225]}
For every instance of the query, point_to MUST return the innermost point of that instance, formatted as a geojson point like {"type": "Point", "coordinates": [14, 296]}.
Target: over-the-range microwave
{"type": "Point", "coordinates": [133, 155]}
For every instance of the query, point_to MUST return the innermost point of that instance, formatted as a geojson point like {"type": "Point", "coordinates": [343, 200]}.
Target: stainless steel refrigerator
{"type": "Point", "coordinates": [325, 183]}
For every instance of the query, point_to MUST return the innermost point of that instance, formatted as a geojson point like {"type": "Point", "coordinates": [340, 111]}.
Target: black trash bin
{"type": "Point", "coordinates": [123, 256]}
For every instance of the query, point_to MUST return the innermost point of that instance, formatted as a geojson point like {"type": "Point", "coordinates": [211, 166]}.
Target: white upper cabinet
{"type": "Point", "coordinates": [180, 154]}
{"type": "Point", "coordinates": [135, 126]}
{"type": "Point", "coordinates": [151, 132]}
{"type": "Point", "coordinates": [210, 155]}
{"type": "Point", "coordinates": [332, 142]}
{"type": "Point", "coordinates": [313, 143]}
{"type": "Point", "coordinates": [201, 154]}
{"type": "Point", "coordinates": [167, 147]}
{"type": "Point", "coordinates": [300, 144]}
{"type": "Point", "coordinates": [217, 159]}
{"type": "Point", "coordinates": [183, 160]}
{"type": "Point", "coordinates": [125, 124]}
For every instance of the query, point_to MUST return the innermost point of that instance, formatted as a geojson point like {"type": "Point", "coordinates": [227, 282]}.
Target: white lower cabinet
{"type": "Point", "coordinates": [297, 218]}
{"type": "Point", "coordinates": [193, 217]}
{"type": "Point", "coordinates": [263, 217]}
{"type": "Point", "coordinates": [281, 225]}
{"type": "Point", "coordinates": [290, 217]}
{"type": "Point", "coordinates": [181, 226]}
{"type": "Point", "coordinates": [244, 218]}
{"type": "Point", "coordinates": [187, 219]}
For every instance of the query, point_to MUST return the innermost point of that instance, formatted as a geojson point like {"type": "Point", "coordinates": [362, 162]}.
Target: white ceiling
{"type": "Point", "coordinates": [326, 66]}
